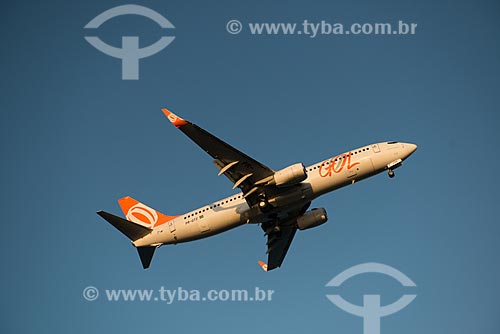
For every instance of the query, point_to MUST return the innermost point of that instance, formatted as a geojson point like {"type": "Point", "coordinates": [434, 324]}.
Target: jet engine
{"type": "Point", "coordinates": [312, 218]}
{"type": "Point", "coordinates": [290, 175]}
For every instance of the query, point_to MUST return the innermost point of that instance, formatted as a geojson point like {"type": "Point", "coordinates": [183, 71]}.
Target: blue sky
{"type": "Point", "coordinates": [75, 138]}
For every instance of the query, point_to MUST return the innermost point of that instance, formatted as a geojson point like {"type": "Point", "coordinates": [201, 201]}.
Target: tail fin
{"type": "Point", "coordinates": [141, 219]}
{"type": "Point", "coordinates": [142, 214]}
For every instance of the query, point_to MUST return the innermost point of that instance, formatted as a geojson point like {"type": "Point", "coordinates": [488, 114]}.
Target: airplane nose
{"type": "Point", "coordinates": [410, 148]}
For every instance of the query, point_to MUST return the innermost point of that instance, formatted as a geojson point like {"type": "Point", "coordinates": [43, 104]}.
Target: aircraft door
{"type": "Point", "coordinates": [351, 173]}
{"type": "Point", "coordinates": [171, 226]}
{"type": "Point", "coordinates": [375, 148]}
{"type": "Point", "coordinates": [203, 225]}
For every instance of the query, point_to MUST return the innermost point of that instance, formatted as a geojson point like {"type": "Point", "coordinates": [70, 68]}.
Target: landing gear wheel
{"type": "Point", "coordinates": [391, 173]}
{"type": "Point", "coordinates": [264, 205]}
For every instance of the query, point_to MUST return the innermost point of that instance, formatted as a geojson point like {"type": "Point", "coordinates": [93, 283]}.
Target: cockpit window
{"type": "Point", "coordinates": [392, 142]}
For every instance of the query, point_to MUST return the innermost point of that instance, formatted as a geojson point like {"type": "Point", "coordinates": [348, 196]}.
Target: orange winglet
{"type": "Point", "coordinates": [263, 265]}
{"type": "Point", "coordinates": [174, 119]}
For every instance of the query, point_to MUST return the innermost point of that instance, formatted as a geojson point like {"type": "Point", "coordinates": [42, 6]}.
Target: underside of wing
{"type": "Point", "coordinates": [280, 236]}
{"type": "Point", "coordinates": [244, 172]}
{"type": "Point", "coordinates": [278, 244]}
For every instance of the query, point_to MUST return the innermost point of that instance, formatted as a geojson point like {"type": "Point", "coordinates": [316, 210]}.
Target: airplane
{"type": "Point", "coordinates": [276, 200]}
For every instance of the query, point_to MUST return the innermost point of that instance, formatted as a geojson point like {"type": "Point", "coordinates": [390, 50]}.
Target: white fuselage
{"type": "Point", "coordinates": [322, 178]}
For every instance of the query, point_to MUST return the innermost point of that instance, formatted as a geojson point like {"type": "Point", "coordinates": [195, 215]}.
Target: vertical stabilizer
{"type": "Point", "coordinates": [142, 214]}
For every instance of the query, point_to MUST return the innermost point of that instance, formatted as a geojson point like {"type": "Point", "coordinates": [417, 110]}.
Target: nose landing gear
{"type": "Point", "coordinates": [393, 165]}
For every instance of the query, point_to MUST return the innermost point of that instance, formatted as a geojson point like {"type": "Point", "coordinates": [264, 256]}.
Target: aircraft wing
{"type": "Point", "coordinates": [280, 236]}
{"type": "Point", "coordinates": [243, 171]}
{"type": "Point", "coordinates": [278, 244]}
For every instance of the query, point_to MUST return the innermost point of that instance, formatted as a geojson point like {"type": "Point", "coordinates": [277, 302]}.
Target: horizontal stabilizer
{"type": "Point", "coordinates": [146, 254]}
{"type": "Point", "coordinates": [132, 230]}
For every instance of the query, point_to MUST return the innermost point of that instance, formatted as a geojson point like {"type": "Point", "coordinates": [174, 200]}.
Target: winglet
{"type": "Point", "coordinates": [174, 119]}
{"type": "Point", "coordinates": [263, 265]}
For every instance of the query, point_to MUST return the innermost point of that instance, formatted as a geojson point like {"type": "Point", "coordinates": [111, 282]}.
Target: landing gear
{"type": "Point", "coordinates": [264, 205]}
{"type": "Point", "coordinates": [393, 165]}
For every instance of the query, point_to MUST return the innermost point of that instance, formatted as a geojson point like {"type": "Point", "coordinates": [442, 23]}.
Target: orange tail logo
{"type": "Point", "coordinates": [142, 214]}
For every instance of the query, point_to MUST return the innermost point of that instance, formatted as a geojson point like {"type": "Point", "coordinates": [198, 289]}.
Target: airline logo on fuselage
{"type": "Point", "coordinates": [336, 165]}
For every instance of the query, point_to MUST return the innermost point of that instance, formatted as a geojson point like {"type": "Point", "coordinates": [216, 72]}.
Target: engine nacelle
{"type": "Point", "coordinates": [312, 218]}
{"type": "Point", "coordinates": [291, 175]}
